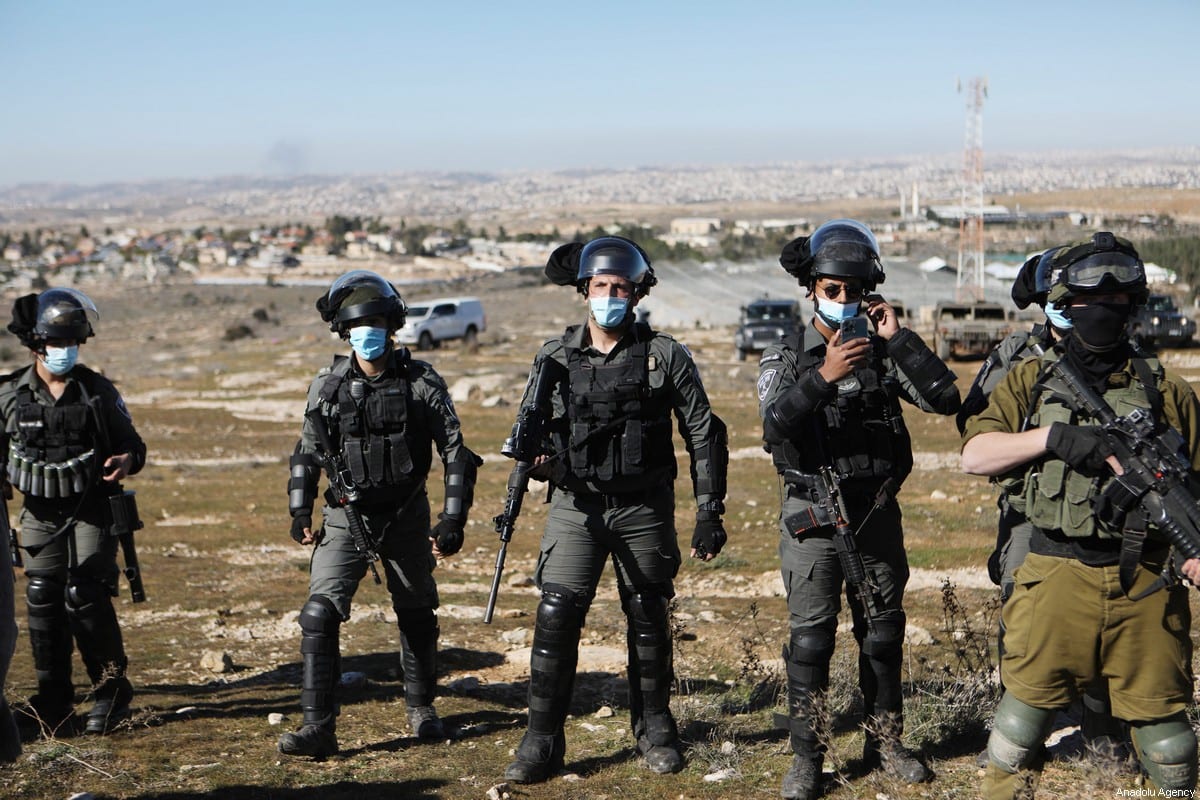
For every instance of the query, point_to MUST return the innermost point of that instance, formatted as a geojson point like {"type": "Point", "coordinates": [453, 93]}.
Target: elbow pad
{"type": "Point", "coordinates": [783, 418]}
{"type": "Point", "coordinates": [932, 379]}
{"type": "Point", "coordinates": [460, 484]}
{"type": "Point", "coordinates": [710, 462]}
{"type": "Point", "coordinates": [302, 483]}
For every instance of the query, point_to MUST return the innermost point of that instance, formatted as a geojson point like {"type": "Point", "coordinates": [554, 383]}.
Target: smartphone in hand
{"type": "Point", "coordinates": [854, 328]}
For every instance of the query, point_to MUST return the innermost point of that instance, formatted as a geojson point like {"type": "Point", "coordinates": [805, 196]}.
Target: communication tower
{"type": "Point", "coordinates": [970, 227]}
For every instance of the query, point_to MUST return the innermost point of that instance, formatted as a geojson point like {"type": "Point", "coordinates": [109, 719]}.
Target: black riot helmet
{"type": "Point", "coordinates": [361, 293]}
{"type": "Point", "coordinates": [57, 313]}
{"type": "Point", "coordinates": [840, 248]}
{"type": "Point", "coordinates": [615, 255]}
{"type": "Point", "coordinates": [1103, 264]}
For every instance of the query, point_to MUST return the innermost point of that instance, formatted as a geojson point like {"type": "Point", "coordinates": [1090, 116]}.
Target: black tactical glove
{"type": "Point", "coordinates": [299, 523]}
{"type": "Point", "coordinates": [1081, 447]}
{"type": "Point", "coordinates": [709, 537]}
{"type": "Point", "coordinates": [448, 534]}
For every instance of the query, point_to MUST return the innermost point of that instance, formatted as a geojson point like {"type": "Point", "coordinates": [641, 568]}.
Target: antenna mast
{"type": "Point", "coordinates": [969, 286]}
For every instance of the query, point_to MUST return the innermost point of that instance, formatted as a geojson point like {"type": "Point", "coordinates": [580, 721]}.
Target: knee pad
{"type": "Point", "coordinates": [559, 610]}
{"type": "Point", "coordinates": [44, 592]}
{"type": "Point", "coordinates": [1017, 733]}
{"type": "Point", "coordinates": [1168, 752]}
{"type": "Point", "coordinates": [85, 591]}
{"type": "Point", "coordinates": [320, 618]}
{"type": "Point", "coordinates": [807, 656]}
{"type": "Point", "coordinates": [886, 642]}
{"type": "Point", "coordinates": [647, 606]}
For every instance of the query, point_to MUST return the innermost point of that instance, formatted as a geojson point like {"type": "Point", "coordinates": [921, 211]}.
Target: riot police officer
{"type": "Point", "coordinates": [376, 416]}
{"type": "Point", "coordinates": [69, 441]}
{"type": "Point", "coordinates": [830, 407]}
{"type": "Point", "coordinates": [611, 463]}
{"type": "Point", "coordinates": [1100, 572]}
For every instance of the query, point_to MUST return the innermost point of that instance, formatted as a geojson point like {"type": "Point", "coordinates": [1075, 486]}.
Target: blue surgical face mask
{"type": "Point", "coordinates": [1058, 319]}
{"type": "Point", "coordinates": [609, 312]}
{"type": "Point", "coordinates": [59, 360]}
{"type": "Point", "coordinates": [835, 313]}
{"type": "Point", "coordinates": [370, 343]}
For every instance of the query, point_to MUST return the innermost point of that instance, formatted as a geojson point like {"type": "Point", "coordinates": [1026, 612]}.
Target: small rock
{"type": "Point", "coordinates": [275, 718]}
{"type": "Point", "coordinates": [494, 401]}
{"type": "Point", "coordinates": [721, 775]}
{"type": "Point", "coordinates": [82, 796]}
{"type": "Point", "coordinates": [518, 579]}
{"type": "Point", "coordinates": [728, 748]}
{"type": "Point", "coordinates": [604, 712]}
{"type": "Point", "coordinates": [572, 777]}
{"type": "Point", "coordinates": [498, 792]}
{"type": "Point", "coordinates": [591, 727]}
{"type": "Point", "coordinates": [185, 710]}
{"type": "Point", "coordinates": [216, 661]}
{"type": "Point", "coordinates": [937, 494]}
{"type": "Point", "coordinates": [516, 636]}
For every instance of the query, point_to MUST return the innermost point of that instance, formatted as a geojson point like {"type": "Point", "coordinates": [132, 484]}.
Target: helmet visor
{"type": "Point", "coordinates": [361, 293]}
{"type": "Point", "coordinates": [65, 314]}
{"type": "Point", "coordinates": [1114, 269]}
{"type": "Point", "coordinates": [842, 232]}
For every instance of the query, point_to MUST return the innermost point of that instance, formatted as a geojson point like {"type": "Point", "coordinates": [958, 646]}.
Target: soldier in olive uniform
{"type": "Point", "coordinates": [617, 383]}
{"type": "Point", "coordinates": [1103, 734]}
{"type": "Point", "coordinates": [69, 441]}
{"type": "Point", "coordinates": [1100, 573]}
{"type": "Point", "coordinates": [383, 412]}
{"type": "Point", "coordinates": [829, 401]}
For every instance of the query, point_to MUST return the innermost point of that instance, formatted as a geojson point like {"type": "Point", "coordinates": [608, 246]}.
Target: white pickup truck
{"type": "Point", "coordinates": [431, 322]}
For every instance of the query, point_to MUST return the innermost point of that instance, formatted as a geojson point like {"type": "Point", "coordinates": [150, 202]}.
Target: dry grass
{"type": "Point", "coordinates": [222, 574]}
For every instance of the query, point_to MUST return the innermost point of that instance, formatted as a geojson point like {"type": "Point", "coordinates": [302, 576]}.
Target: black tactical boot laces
{"type": "Point", "coordinates": [539, 757]}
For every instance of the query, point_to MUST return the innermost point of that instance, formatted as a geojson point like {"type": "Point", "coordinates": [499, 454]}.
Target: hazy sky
{"type": "Point", "coordinates": [97, 91]}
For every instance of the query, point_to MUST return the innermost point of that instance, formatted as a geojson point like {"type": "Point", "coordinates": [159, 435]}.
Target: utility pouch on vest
{"type": "Point", "coordinates": [355, 461]}
{"type": "Point", "coordinates": [124, 511]}
{"type": "Point", "coordinates": [401, 459]}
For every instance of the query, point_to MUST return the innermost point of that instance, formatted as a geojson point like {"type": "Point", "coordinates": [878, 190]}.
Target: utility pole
{"type": "Point", "coordinates": [969, 287]}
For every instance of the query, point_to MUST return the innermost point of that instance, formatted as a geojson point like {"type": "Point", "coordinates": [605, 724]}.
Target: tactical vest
{"type": "Point", "coordinates": [618, 426]}
{"type": "Point", "coordinates": [53, 450]}
{"type": "Point", "coordinates": [370, 421]}
{"type": "Point", "coordinates": [1056, 496]}
{"type": "Point", "coordinates": [860, 433]}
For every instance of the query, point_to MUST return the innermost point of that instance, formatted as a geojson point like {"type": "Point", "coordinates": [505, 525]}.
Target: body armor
{"type": "Point", "coordinates": [369, 420]}
{"type": "Point", "coordinates": [617, 425]}
{"type": "Point", "coordinates": [860, 433]}
{"type": "Point", "coordinates": [53, 450]}
{"type": "Point", "coordinates": [1056, 496]}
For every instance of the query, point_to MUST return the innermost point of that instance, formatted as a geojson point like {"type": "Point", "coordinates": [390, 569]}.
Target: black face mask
{"type": "Point", "coordinates": [1100, 326]}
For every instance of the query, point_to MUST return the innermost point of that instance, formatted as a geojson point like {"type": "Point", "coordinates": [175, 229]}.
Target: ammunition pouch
{"type": "Point", "coordinates": [49, 480]}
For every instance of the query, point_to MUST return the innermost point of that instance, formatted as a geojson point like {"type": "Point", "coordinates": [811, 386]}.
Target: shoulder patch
{"type": "Point", "coordinates": [769, 357]}
{"type": "Point", "coordinates": [764, 383]}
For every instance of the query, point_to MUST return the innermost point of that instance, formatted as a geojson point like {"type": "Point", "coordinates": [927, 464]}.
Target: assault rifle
{"type": "Point", "coordinates": [1155, 467]}
{"type": "Point", "coordinates": [859, 582]}
{"type": "Point", "coordinates": [523, 444]}
{"type": "Point", "coordinates": [343, 491]}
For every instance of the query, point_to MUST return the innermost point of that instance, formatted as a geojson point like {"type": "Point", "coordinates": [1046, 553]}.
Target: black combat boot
{"type": "Point", "coordinates": [51, 710]}
{"type": "Point", "coordinates": [651, 674]}
{"type": "Point", "coordinates": [319, 623]}
{"type": "Point", "coordinates": [98, 635]}
{"type": "Point", "coordinates": [883, 749]}
{"type": "Point", "coordinates": [418, 658]}
{"type": "Point", "coordinates": [879, 658]}
{"type": "Point", "coordinates": [551, 679]}
{"type": "Point", "coordinates": [806, 658]}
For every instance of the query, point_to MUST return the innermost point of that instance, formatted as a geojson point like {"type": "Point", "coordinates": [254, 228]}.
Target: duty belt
{"type": "Point", "coordinates": [615, 499]}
